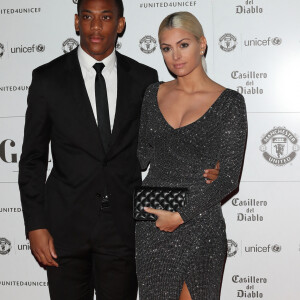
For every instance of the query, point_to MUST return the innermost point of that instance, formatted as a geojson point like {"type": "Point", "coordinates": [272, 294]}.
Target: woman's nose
{"type": "Point", "coordinates": [176, 54]}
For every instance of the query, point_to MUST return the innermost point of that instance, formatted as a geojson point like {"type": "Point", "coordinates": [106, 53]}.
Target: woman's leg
{"type": "Point", "coordinates": [185, 294]}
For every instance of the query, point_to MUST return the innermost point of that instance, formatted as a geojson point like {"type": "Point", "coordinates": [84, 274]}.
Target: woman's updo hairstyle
{"type": "Point", "coordinates": [185, 21]}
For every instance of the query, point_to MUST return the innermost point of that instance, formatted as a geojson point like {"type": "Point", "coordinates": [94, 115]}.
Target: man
{"type": "Point", "coordinates": [87, 104]}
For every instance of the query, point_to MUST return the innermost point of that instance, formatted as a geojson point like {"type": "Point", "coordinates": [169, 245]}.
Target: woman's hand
{"type": "Point", "coordinates": [212, 174]}
{"type": "Point", "coordinates": [167, 221]}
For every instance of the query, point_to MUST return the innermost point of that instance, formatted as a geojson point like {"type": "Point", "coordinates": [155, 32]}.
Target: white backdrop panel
{"type": "Point", "coordinates": [253, 47]}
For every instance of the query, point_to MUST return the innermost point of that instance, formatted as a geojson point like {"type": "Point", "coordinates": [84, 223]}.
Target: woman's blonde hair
{"type": "Point", "coordinates": [185, 21]}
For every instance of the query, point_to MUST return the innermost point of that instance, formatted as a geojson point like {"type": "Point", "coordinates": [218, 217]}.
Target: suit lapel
{"type": "Point", "coordinates": [123, 96]}
{"type": "Point", "coordinates": [79, 93]}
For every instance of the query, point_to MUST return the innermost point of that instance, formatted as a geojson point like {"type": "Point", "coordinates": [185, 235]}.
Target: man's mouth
{"type": "Point", "coordinates": [96, 38]}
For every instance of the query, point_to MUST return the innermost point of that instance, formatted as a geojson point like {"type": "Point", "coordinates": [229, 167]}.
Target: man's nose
{"type": "Point", "coordinates": [97, 24]}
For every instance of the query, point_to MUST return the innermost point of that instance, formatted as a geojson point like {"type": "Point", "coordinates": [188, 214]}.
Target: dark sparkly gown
{"type": "Point", "coordinates": [195, 252]}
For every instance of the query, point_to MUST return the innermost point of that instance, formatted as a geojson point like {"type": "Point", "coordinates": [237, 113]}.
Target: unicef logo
{"type": "Point", "coordinates": [40, 48]}
{"type": "Point", "coordinates": [279, 146]}
{"type": "Point", "coordinates": [1, 50]}
{"type": "Point", "coordinates": [227, 42]}
{"type": "Point", "coordinates": [75, 1]}
{"type": "Point", "coordinates": [69, 45]}
{"type": "Point", "coordinates": [5, 246]}
{"type": "Point", "coordinates": [148, 44]}
{"type": "Point", "coordinates": [276, 248]}
{"type": "Point", "coordinates": [276, 41]}
{"type": "Point", "coordinates": [232, 248]}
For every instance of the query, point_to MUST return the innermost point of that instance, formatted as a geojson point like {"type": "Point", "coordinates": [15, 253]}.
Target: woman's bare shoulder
{"type": "Point", "coordinates": [166, 87]}
{"type": "Point", "coordinates": [216, 87]}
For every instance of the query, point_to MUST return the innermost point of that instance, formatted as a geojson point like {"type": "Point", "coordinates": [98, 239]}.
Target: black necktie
{"type": "Point", "coordinates": [102, 106]}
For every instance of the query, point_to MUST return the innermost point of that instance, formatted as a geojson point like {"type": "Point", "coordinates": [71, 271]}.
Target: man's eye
{"type": "Point", "coordinates": [166, 49]}
{"type": "Point", "coordinates": [106, 17]}
{"type": "Point", "coordinates": [86, 17]}
{"type": "Point", "coordinates": [184, 45]}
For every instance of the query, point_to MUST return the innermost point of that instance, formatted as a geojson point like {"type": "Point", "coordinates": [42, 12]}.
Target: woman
{"type": "Point", "coordinates": [187, 124]}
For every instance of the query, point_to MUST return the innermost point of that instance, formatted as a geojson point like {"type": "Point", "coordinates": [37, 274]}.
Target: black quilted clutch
{"type": "Point", "coordinates": [159, 198]}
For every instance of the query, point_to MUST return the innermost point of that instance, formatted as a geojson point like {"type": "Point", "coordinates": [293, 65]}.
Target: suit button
{"type": "Point", "coordinates": [98, 195]}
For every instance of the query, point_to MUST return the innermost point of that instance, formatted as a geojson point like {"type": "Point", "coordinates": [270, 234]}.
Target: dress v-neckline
{"type": "Point", "coordinates": [190, 124]}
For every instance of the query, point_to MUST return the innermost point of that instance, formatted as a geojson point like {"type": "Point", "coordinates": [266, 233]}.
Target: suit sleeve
{"type": "Point", "coordinates": [232, 146]}
{"type": "Point", "coordinates": [154, 77]}
{"type": "Point", "coordinates": [34, 159]}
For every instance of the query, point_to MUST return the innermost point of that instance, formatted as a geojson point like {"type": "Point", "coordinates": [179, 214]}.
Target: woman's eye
{"type": "Point", "coordinates": [166, 49]}
{"type": "Point", "coordinates": [184, 45]}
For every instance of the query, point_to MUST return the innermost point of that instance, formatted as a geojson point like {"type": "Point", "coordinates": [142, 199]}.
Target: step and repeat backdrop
{"type": "Point", "coordinates": [254, 48]}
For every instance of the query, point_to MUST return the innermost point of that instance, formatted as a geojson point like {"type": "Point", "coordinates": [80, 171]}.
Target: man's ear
{"type": "Point", "coordinates": [76, 23]}
{"type": "Point", "coordinates": [121, 25]}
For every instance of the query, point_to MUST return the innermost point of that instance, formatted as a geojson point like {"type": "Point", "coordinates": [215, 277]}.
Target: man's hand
{"type": "Point", "coordinates": [212, 174]}
{"type": "Point", "coordinates": [167, 221]}
{"type": "Point", "coordinates": [42, 247]}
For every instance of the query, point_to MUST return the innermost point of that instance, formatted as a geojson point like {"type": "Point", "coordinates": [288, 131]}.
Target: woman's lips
{"type": "Point", "coordinates": [179, 66]}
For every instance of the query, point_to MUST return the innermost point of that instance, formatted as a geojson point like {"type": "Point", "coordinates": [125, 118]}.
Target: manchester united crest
{"type": "Point", "coordinates": [69, 44]}
{"type": "Point", "coordinates": [227, 42]}
{"type": "Point", "coordinates": [148, 44]}
{"type": "Point", "coordinates": [279, 146]}
{"type": "Point", "coordinates": [5, 246]}
{"type": "Point", "coordinates": [118, 45]}
{"type": "Point", "coordinates": [1, 50]}
{"type": "Point", "coordinates": [232, 248]}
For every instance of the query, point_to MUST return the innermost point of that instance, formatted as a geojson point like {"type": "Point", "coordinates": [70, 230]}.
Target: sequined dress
{"type": "Point", "coordinates": [195, 252]}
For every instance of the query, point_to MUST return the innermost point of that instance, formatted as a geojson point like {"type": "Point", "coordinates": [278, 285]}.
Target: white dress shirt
{"type": "Point", "coordinates": [110, 75]}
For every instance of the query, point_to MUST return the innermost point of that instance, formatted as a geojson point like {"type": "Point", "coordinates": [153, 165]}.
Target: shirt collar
{"type": "Point", "coordinates": [86, 61]}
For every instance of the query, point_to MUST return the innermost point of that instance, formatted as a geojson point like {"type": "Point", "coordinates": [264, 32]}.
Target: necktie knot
{"type": "Point", "coordinates": [99, 67]}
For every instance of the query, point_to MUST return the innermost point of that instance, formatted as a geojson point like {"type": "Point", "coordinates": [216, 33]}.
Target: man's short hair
{"type": "Point", "coordinates": [119, 4]}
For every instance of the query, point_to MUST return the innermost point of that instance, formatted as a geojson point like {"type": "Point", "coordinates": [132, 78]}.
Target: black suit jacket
{"type": "Point", "coordinates": [59, 112]}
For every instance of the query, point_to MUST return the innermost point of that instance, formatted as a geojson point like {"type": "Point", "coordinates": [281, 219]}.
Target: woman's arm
{"type": "Point", "coordinates": [232, 146]}
{"type": "Point", "coordinates": [145, 148]}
